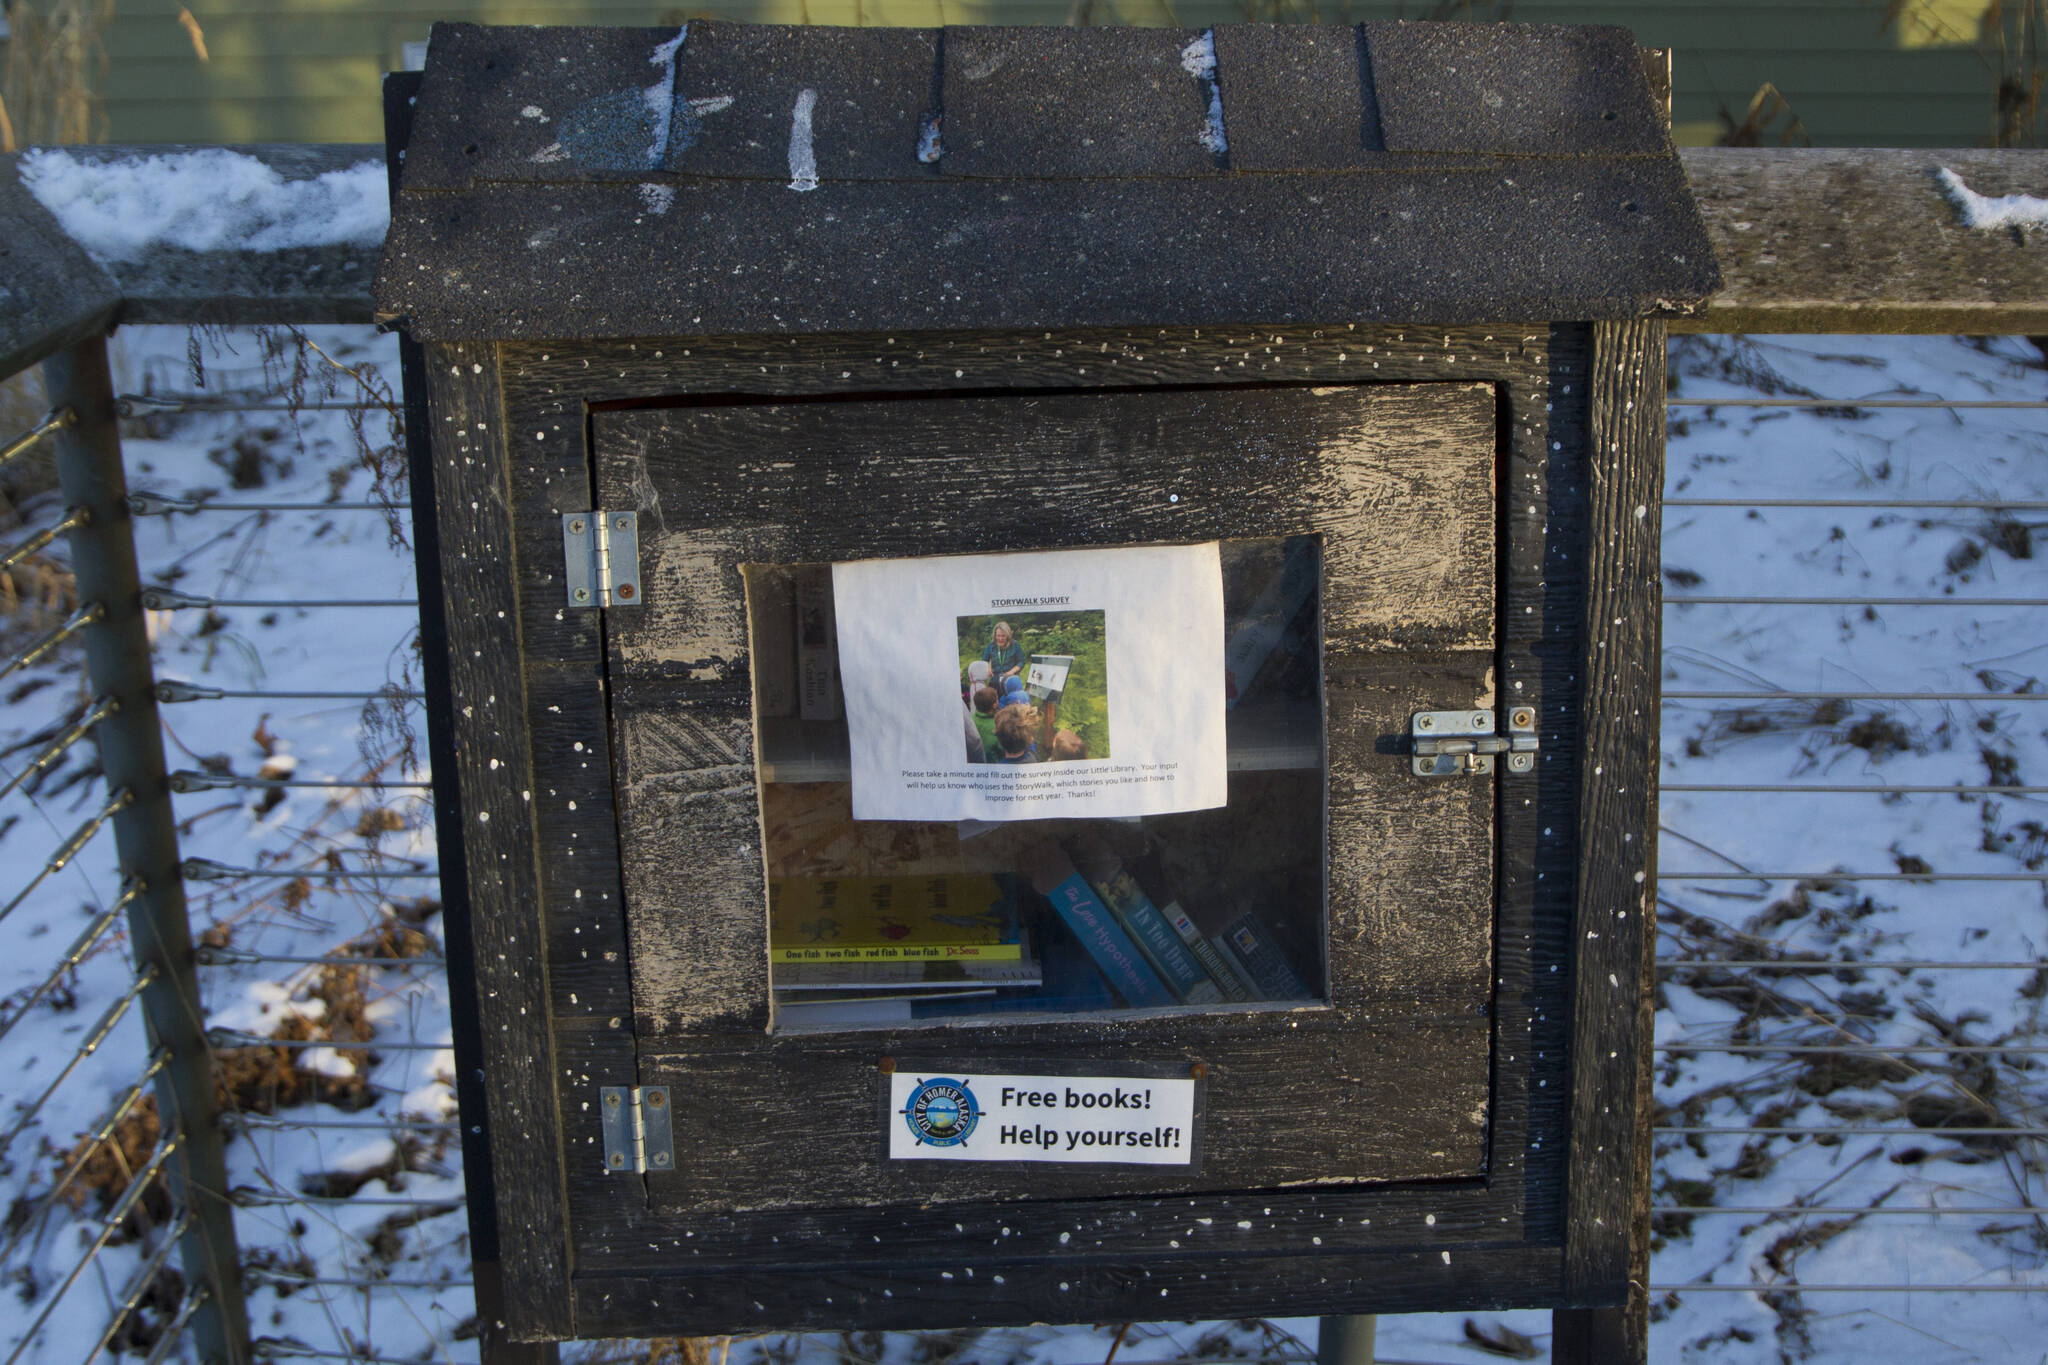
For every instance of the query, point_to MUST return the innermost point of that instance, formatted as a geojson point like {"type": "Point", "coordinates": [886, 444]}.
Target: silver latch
{"type": "Point", "coordinates": [1463, 743]}
{"type": "Point", "coordinates": [601, 551]}
{"type": "Point", "coordinates": [637, 1132]}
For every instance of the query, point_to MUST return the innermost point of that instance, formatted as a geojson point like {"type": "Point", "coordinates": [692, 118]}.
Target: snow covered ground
{"type": "Point", "coordinates": [350, 1171]}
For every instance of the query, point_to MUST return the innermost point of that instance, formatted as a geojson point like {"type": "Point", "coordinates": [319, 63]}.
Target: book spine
{"type": "Point", "coordinates": [1263, 959]}
{"type": "Point", "coordinates": [1205, 953]}
{"type": "Point", "coordinates": [900, 952]}
{"type": "Point", "coordinates": [1236, 967]}
{"type": "Point", "coordinates": [817, 648]}
{"type": "Point", "coordinates": [1107, 943]}
{"type": "Point", "coordinates": [1155, 938]}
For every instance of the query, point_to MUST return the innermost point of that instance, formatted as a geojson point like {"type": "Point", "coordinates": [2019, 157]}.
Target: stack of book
{"type": "Point", "coordinates": [861, 949]}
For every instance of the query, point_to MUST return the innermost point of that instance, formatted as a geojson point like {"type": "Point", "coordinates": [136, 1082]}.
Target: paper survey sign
{"type": "Point", "coordinates": [1025, 686]}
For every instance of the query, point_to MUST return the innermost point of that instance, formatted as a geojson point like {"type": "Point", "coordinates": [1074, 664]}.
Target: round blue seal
{"type": "Point", "coordinates": [941, 1112]}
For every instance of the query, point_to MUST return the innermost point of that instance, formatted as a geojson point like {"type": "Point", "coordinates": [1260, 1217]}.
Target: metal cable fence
{"type": "Point", "coordinates": [1780, 1013]}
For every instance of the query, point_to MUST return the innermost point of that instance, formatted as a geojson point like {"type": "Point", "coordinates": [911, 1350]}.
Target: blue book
{"type": "Point", "coordinates": [1156, 938]}
{"type": "Point", "coordinates": [1253, 943]}
{"type": "Point", "coordinates": [1118, 958]}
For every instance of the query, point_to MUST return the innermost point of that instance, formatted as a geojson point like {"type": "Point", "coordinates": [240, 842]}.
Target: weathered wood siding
{"type": "Point", "coordinates": [308, 72]}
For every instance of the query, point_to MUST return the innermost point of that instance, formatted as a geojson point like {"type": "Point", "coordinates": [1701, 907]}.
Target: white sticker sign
{"type": "Point", "coordinates": [1119, 1120]}
{"type": "Point", "coordinates": [1027, 686]}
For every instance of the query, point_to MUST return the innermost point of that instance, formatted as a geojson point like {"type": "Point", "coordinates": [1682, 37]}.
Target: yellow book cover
{"type": "Point", "coordinates": [892, 919]}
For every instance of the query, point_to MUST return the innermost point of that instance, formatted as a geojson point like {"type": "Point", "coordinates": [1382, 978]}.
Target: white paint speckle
{"type": "Point", "coordinates": [803, 158]}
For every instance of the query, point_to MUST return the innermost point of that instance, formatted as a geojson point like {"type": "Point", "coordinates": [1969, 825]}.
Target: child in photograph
{"type": "Point", "coordinates": [977, 752]}
{"type": "Point", "coordinates": [1066, 745]}
{"type": "Point", "coordinates": [1015, 726]}
{"type": "Point", "coordinates": [977, 676]}
{"type": "Point", "coordinates": [985, 717]}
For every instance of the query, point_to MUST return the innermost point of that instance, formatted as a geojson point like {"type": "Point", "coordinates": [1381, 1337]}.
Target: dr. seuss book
{"type": "Point", "coordinates": [891, 919]}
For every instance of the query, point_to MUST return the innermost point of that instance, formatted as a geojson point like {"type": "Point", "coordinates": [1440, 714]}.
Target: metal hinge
{"type": "Point", "coordinates": [1463, 743]}
{"type": "Point", "coordinates": [637, 1136]}
{"type": "Point", "coordinates": [602, 553]}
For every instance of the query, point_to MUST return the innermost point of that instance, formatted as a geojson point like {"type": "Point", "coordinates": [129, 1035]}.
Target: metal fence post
{"type": "Point", "coordinates": [91, 477]}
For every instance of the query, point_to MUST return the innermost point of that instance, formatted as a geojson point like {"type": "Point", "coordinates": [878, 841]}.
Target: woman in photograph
{"type": "Point", "coordinates": [1004, 656]}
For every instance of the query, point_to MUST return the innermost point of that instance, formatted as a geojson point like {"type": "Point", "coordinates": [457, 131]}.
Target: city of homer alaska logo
{"type": "Point", "coordinates": [941, 1112]}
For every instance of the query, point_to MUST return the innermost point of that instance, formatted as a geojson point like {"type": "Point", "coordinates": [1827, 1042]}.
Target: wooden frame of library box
{"type": "Point", "coordinates": [788, 295]}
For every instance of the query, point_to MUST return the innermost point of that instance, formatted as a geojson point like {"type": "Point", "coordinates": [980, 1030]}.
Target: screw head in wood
{"type": "Point", "coordinates": [887, 1066]}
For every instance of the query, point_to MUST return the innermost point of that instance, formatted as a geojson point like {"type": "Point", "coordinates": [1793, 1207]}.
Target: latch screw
{"type": "Point", "coordinates": [1424, 723]}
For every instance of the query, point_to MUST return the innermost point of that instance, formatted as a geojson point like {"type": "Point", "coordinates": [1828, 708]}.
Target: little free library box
{"type": "Point", "coordinates": [1042, 662]}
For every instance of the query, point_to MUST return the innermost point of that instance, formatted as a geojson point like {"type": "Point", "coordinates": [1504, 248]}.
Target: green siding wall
{"type": "Point", "coordinates": [309, 71]}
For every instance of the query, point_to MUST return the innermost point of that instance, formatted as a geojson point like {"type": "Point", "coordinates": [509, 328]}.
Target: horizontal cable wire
{"type": "Point", "coordinates": [1862, 1049]}
{"type": "Point", "coordinates": [207, 956]}
{"type": "Point", "coordinates": [73, 955]}
{"type": "Point", "coordinates": [1993, 403]}
{"type": "Point", "coordinates": [2022, 602]}
{"type": "Point", "coordinates": [250, 1197]}
{"type": "Point", "coordinates": [229, 1037]}
{"type": "Point", "coordinates": [43, 539]}
{"type": "Point", "coordinates": [98, 1034]}
{"type": "Point", "coordinates": [131, 405]}
{"type": "Point", "coordinates": [139, 1285]}
{"type": "Point", "coordinates": [186, 781]}
{"type": "Point", "coordinates": [171, 690]}
{"type": "Point", "coordinates": [108, 1227]}
{"type": "Point", "coordinates": [207, 870]}
{"type": "Point", "coordinates": [1858, 504]}
{"type": "Point", "coordinates": [104, 707]}
{"type": "Point", "coordinates": [164, 599]}
{"type": "Point", "coordinates": [272, 1123]}
{"type": "Point", "coordinates": [1849, 788]}
{"type": "Point", "coordinates": [1796, 1287]}
{"type": "Point", "coordinates": [172, 1334]}
{"type": "Point", "coordinates": [101, 1134]}
{"type": "Point", "coordinates": [1843, 964]}
{"type": "Point", "coordinates": [159, 505]}
{"type": "Point", "coordinates": [89, 614]}
{"type": "Point", "coordinates": [262, 1276]}
{"type": "Point", "coordinates": [1852, 876]}
{"type": "Point", "coordinates": [56, 420]}
{"type": "Point", "coordinates": [1855, 696]}
{"type": "Point", "coordinates": [68, 850]}
{"type": "Point", "coordinates": [1850, 1130]}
